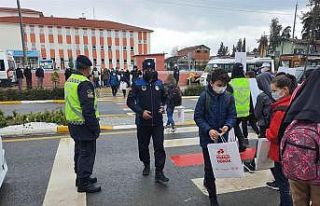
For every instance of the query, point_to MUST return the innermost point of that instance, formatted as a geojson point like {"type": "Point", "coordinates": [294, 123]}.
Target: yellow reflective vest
{"type": "Point", "coordinates": [241, 93]}
{"type": "Point", "coordinates": [73, 111]}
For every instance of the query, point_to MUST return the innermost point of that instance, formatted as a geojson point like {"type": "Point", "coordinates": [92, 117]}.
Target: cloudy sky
{"type": "Point", "coordinates": [180, 23]}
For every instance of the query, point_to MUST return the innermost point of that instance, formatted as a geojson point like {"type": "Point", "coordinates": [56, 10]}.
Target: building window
{"type": "Point", "coordinates": [85, 47]}
{"type": "Point", "coordinates": [124, 48]}
{"type": "Point", "coordinates": [101, 33]}
{"type": "Point", "coordinates": [132, 61]}
{"type": "Point", "coordinates": [93, 32]}
{"type": "Point", "coordinates": [76, 31]}
{"type": "Point", "coordinates": [132, 48]}
{"type": "Point", "coordinates": [77, 46]}
{"type": "Point", "coordinates": [41, 30]}
{"type": "Point", "coordinates": [109, 47]}
{"type": "Point", "coordinates": [125, 61]}
{"type": "Point", "coordinates": [59, 31]}
{"type": "Point", "coordinates": [94, 47]}
{"type": "Point", "coordinates": [118, 61]}
{"type": "Point", "coordinates": [110, 61]}
{"type": "Point", "coordinates": [43, 46]}
{"type": "Point", "coordinates": [102, 48]}
{"type": "Point", "coordinates": [32, 29]}
{"type": "Point", "coordinates": [50, 30]}
{"type": "Point", "coordinates": [131, 34]}
{"type": "Point", "coordinates": [108, 33]}
{"type": "Point", "coordinates": [68, 31]}
{"type": "Point", "coordinates": [116, 34]}
{"type": "Point", "coordinates": [140, 41]}
{"type": "Point", "coordinates": [95, 61]}
{"type": "Point", "coordinates": [85, 33]}
{"type": "Point", "coordinates": [33, 47]}
{"type": "Point", "coordinates": [102, 61]}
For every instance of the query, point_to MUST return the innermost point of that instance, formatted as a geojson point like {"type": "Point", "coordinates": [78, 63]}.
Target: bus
{"type": "Point", "coordinates": [227, 64]}
{"type": "Point", "coordinates": [7, 69]}
{"type": "Point", "coordinates": [47, 64]}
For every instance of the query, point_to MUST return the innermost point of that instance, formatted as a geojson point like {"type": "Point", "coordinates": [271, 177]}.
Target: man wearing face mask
{"type": "Point", "coordinates": [81, 110]}
{"type": "Point", "coordinates": [147, 100]}
{"type": "Point", "coordinates": [215, 115]}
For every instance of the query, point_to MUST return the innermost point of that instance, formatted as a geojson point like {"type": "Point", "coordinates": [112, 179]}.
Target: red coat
{"type": "Point", "coordinates": [274, 127]}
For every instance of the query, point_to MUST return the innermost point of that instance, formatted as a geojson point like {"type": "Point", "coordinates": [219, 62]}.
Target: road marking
{"type": "Point", "coordinates": [61, 188]}
{"type": "Point", "coordinates": [255, 180]}
{"type": "Point", "coordinates": [181, 142]}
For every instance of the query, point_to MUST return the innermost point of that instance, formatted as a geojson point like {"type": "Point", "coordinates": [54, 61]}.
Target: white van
{"type": "Point", "coordinates": [3, 164]}
{"type": "Point", "coordinates": [7, 68]}
{"type": "Point", "coordinates": [227, 65]}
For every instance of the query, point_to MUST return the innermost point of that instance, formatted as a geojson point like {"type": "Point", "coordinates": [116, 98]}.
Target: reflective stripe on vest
{"type": "Point", "coordinates": [73, 109]}
{"type": "Point", "coordinates": [241, 93]}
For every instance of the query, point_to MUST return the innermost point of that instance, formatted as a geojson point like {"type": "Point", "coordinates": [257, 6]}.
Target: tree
{"type": "Point", "coordinates": [286, 33]}
{"type": "Point", "coordinates": [233, 51]}
{"type": "Point", "coordinates": [223, 50]}
{"type": "Point", "coordinates": [275, 29]}
{"type": "Point", "coordinates": [239, 46]}
{"type": "Point", "coordinates": [263, 45]}
{"type": "Point", "coordinates": [244, 45]}
{"type": "Point", "coordinates": [311, 20]}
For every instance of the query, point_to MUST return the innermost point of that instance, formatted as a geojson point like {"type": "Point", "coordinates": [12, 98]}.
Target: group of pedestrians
{"type": "Point", "coordinates": [284, 113]}
{"type": "Point", "coordinates": [27, 74]}
{"type": "Point", "coordinates": [281, 112]}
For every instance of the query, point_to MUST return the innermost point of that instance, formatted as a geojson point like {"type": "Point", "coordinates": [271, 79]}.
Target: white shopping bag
{"type": "Point", "coordinates": [225, 160]}
{"type": "Point", "coordinates": [262, 160]}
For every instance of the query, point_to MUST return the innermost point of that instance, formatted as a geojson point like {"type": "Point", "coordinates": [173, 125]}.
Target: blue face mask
{"type": "Point", "coordinates": [276, 95]}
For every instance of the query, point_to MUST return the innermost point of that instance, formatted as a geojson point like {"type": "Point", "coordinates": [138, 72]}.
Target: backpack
{"type": "Point", "coordinates": [176, 96]}
{"type": "Point", "coordinates": [300, 152]}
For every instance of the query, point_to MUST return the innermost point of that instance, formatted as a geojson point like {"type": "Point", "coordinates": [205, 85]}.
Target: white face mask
{"type": "Point", "coordinates": [219, 90]}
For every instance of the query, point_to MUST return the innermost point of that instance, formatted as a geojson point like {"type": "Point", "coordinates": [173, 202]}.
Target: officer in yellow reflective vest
{"type": "Point", "coordinates": [241, 92]}
{"type": "Point", "coordinates": [83, 121]}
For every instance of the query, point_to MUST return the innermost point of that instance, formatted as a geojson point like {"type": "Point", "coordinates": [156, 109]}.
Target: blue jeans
{"type": "Point", "coordinates": [170, 116]}
{"type": "Point", "coordinates": [283, 184]}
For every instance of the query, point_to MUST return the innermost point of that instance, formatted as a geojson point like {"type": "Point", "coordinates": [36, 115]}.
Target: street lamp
{"type": "Point", "coordinates": [22, 35]}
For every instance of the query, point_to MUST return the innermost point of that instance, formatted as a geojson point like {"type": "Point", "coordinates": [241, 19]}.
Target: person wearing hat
{"type": "Point", "coordinates": [147, 99]}
{"type": "Point", "coordinates": [82, 115]}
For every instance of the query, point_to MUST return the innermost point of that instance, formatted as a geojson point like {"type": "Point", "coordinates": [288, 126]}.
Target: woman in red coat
{"type": "Point", "coordinates": [282, 88]}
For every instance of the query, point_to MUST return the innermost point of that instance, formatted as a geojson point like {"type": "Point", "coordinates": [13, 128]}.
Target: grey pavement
{"type": "Point", "coordinates": [119, 172]}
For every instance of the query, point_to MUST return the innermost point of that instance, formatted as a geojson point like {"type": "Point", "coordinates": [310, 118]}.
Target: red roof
{"type": "Point", "coordinates": [9, 9]}
{"type": "Point", "coordinates": [68, 22]}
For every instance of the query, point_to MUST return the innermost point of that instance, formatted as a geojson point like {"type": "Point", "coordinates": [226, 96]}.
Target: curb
{"type": "Point", "coordinates": [61, 101]}
{"type": "Point", "coordinates": [65, 129]}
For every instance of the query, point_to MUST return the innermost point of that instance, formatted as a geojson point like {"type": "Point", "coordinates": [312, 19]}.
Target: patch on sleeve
{"type": "Point", "coordinates": [90, 93]}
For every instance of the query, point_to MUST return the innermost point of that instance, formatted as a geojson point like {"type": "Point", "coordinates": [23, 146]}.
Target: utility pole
{"type": "Point", "coordinates": [295, 20]}
{"type": "Point", "coordinates": [22, 35]}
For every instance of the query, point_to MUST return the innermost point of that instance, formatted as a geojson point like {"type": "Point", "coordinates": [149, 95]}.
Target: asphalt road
{"type": "Point", "coordinates": [119, 172]}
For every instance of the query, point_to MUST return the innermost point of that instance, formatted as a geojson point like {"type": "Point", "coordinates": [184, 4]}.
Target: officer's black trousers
{"type": "Point", "coordinates": [84, 156]}
{"type": "Point", "coordinates": [144, 135]}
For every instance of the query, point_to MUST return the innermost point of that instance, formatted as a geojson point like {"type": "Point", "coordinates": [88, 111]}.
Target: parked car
{"type": "Point", "coordinates": [3, 164]}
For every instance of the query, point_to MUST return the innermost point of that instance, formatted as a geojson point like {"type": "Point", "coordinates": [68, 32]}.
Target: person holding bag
{"type": "Point", "coordinates": [215, 115]}
{"type": "Point", "coordinates": [282, 87]}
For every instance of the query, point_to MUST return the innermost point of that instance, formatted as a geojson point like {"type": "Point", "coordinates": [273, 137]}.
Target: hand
{"type": "Point", "coordinates": [214, 134]}
{"type": "Point", "coordinates": [146, 115]}
{"type": "Point", "coordinates": [224, 130]}
{"type": "Point", "coordinates": [161, 110]}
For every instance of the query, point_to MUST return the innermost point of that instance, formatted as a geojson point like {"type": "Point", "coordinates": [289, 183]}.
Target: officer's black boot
{"type": "Point", "coordinates": [146, 170]}
{"type": "Point", "coordinates": [160, 177]}
{"type": "Point", "coordinates": [90, 179]}
{"type": "Point", "coordinates": [88, 187]}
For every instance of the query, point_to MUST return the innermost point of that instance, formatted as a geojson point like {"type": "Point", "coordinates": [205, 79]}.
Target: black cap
{"type": "Point", "coordinates": [82, 59]}
{"type": "Point", "coordinates": [148, 64]}
{"type": "Point", "coordinates": [238, 66]}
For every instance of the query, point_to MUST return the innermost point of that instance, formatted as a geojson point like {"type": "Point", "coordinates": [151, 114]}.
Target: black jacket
{"type": "Point", "coordinates": [147, 96]}
{"type": "Point", "coordinates": [28, 73]}
{"type": "Point", "coordinates": [19, 73]}
{"type": "Point", "coordinates": [40, 72]}
{"type": "Point", "coordinates": [176, 74]}
{"type": "Point", "coordinates": [91, 129]}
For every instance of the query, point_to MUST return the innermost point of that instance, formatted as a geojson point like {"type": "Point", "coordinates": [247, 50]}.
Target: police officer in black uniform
{"type": "Point", "coordinates": [86, 133]}
{"type": "Point", "coordinates": [147, 99]}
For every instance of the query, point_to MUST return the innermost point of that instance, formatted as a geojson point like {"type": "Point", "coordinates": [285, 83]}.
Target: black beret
{"type": "Point", "coordinates": [148, 64]}
{"type": "Point", "coordinates": [84, 60]}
